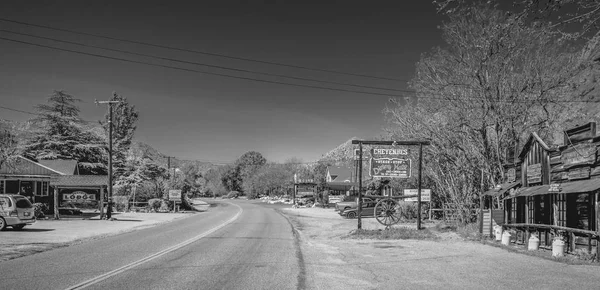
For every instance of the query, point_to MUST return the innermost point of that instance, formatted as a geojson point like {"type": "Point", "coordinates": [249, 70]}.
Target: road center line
{"type": "Point", "coordinates": [107, 275]}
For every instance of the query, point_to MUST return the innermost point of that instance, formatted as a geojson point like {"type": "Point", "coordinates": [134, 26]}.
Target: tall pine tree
{"type": "Point", "coordinates": [61, 134]}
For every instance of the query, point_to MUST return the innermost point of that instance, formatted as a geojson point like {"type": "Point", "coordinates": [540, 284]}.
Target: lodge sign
{"type": "Point", "coordinates": [79, 196]}
{"type": "Point", "coordinates": [579, 154]}
{"type": "Point", "coordinates": [534, 173]}
{"type": "Point", "coordinates": [390, 167]}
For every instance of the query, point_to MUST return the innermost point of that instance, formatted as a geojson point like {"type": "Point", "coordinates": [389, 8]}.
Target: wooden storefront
{"type": "Point", "coordinates": [560, 191]}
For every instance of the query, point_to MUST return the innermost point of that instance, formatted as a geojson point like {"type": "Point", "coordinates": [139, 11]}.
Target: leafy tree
{"type": "Point", "coordinates": [497, 80]}
{"type": "Point", "coordinates": [249, 163]}
{"type": "Point", "coordinates": [8, 147]}
{"type": "Point", "coordinates": [231, 178]}
{"type": "Point", "coordinates": [213, 180]}
{"type": "Point", "coordinates": [125, 117]}
{"type": "Point", "coordinates": [61, 135]}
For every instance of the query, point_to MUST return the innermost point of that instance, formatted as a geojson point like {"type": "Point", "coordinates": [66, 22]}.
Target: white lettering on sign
{"type": "Point", "coordinates": [390, 151]}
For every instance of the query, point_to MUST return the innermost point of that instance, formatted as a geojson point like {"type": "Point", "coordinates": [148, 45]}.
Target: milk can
{"type": "Point", "coordinates": [534, 243]}
{"type": "Point", "coordinates": [506, 238]}
{"type": "Point", "coordinates": [498, 232]}
{"type": "Point", "coordinates": [558, 248]}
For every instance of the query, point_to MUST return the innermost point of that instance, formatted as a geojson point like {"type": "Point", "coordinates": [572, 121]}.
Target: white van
{"type": "Point", "coordinates": [15, 211]}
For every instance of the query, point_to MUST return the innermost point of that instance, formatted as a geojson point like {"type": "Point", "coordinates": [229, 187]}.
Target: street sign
{"type": "Point", "coordinates": [425, 195]}
{"type": "Point", "coordinates": [175, 195]}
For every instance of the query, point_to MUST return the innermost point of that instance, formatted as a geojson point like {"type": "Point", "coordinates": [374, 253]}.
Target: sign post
{"type": "Point", "coordinates": [175, 196]}
{"type": "Point", "coordinates": [385, 165]}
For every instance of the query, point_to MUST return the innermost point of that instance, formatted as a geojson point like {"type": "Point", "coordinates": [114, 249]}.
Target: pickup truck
{"type": "Point", "coordinates": [340, 207]}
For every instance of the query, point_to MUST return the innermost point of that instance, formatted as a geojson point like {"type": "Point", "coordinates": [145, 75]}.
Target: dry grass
{"type": "Point", "coordinates": [400, 233]}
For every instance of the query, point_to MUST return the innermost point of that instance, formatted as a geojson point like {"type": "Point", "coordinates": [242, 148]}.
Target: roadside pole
{"type": "Point", "coordinates": [110, 141]}
{"type": "Point", "coordinates": [419, 190]}
{"type": "Point", "coordinates": [360, 161]}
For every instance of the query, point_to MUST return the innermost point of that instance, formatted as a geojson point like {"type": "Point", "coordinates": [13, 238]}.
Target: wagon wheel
{"type": "Point", "coordinates": [387, 212]}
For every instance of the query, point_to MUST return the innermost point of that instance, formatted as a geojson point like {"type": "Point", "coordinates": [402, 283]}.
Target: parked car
{"type": "Point", "coordinates": [368, 209]}
{"type": "Point", "coordinates": [15, 211]}
{"type": "Point", "coordinates": [344, 205]}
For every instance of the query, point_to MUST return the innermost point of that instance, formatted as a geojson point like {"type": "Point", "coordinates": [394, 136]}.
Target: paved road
{"type": "Point", "coordinates": [233, 246]}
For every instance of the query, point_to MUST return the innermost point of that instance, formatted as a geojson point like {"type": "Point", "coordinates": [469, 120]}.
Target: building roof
{"type": "Point", "coordinates": [501, 189]}
{"type": "Point", "coordinates": [24, 166]}
{"type": "Point", "coordinates": [79, 181]}
{"type": "Point", "coordinates": [533, 137]}
{"type": "Point", "coordinates": [340, 173]}
{"type": "Point", "coordinates": [65, 166]}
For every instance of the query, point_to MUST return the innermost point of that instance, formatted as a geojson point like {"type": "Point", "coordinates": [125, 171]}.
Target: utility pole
{"type": "Point", "coordinates": [110, 141]}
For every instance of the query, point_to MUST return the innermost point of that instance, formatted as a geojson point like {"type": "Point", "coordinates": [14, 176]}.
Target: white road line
{"type": "Point", "coordinates": [107, 275]}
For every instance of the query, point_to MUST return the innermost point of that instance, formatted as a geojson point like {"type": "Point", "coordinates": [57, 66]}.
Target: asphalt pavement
{"type": "Point", "coordinates": [238, 245]}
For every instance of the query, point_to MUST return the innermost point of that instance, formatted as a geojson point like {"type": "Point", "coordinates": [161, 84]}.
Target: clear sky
{"type": "Point", "coordinates": [215, 118]}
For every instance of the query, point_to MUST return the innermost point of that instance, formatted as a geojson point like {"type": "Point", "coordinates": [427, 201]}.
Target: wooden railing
{"type": "Point", "coordinates": [549, 231]}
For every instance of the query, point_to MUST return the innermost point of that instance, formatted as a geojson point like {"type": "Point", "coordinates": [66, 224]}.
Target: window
{"type": "Point", "coordinates": [41, 188]}
{"type": "Point", "coordinates": [44, 188]}
{"type": "Point", "coordinates": [12, 186]}
{"type": "Point", "coordinates": [1, 186]}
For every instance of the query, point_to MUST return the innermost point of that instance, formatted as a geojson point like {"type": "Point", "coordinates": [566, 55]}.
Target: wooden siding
{"type": "Point", "coordinates": [536, 155]}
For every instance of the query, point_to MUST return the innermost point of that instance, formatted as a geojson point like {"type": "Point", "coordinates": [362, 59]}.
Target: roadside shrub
{"type": "Point", "coordinates": [121, 202]}
{"type": "Point", "coordinates": [468, 231]}
{"type": "Point", "coordinates": [154, 204]}
{"type": "Point", "coordinates": [40, 209]}
{"type": "Point", "coordinates": [233, 194]}
{"type": "Point", "coordinates": [408, 209]}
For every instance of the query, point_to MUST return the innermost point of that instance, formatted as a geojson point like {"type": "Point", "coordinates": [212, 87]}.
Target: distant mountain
{"type": "Point", "coordinates": [142, 149]}
{"type": "Point", "coordinates": [344, 153]}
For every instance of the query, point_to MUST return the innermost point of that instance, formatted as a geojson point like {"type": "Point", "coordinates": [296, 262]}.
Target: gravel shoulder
{"type": "Point", "coordinates": [336, 262]}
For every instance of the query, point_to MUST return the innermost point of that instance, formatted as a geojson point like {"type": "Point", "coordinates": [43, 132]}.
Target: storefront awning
{"type": "Point", "coordinates": [581, 186]}
{"type": "Point", "coordinates": [533, 190]}
{"type": "Point", "coordinates": [501, 189]}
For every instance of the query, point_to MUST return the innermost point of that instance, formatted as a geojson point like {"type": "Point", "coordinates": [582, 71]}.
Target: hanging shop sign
{"type": "Point", "coordinates": [425, 195]}
{"type": "Point", "coordinates": [534, 173]}
{"type": "Point", "coordinates": [579, 173]}
{"type": "Point", "coordinates": [79, 196]}
{"type": "Point", "coordinates": [579, 154]}
{"type": "Point", "coordinates": [390, 162]}
{"type": "Point", "coordinates": [390, 167]}
{"type": "Point", "coordinates": [511, 174]}
{"type": "Point", "coordinates": [555, 187]}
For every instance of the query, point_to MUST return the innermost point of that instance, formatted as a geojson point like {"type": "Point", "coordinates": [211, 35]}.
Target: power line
{"type": "Point", "coordinates": [286, 83]}
{"type": "Point", "coordinates": [199, 52]}
{"type": "Point", "coordinates": [199, 64]}
{"type": "Point", "coordinates": [20, 111]}
{"type": "Point", "coordinates": [201, 72]}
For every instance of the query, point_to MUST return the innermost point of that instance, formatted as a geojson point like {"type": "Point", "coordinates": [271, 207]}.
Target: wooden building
{"type": "Point", "coordinates": [48, 181]}
{"type": "Point", "coordinates": [560, 190]}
